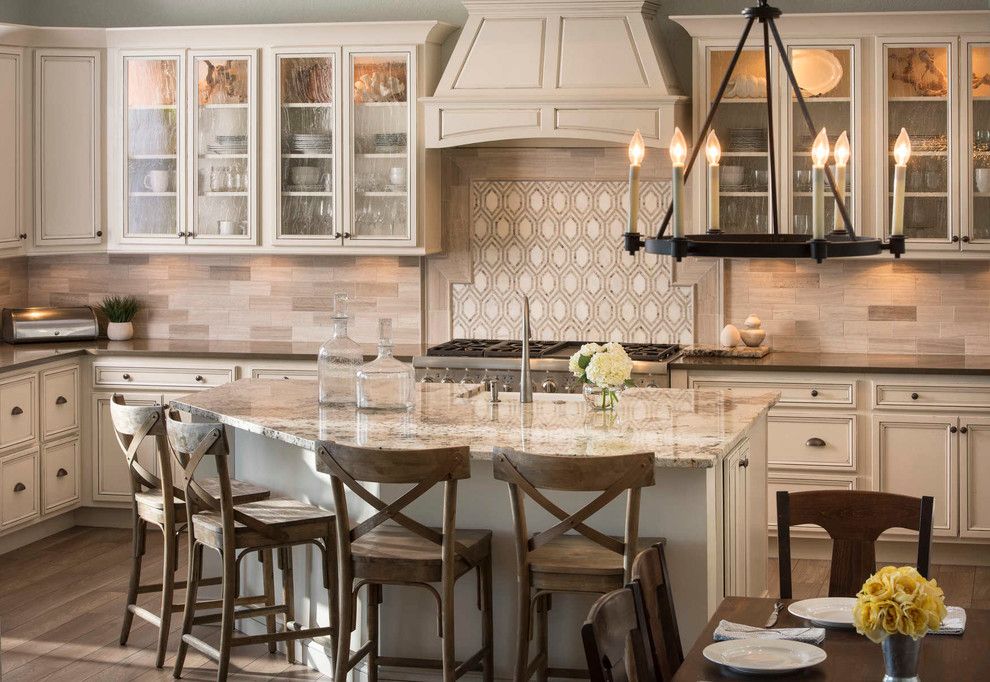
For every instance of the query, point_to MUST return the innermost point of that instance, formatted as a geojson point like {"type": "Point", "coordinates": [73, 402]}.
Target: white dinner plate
{"type": "Point", "coordinates": [763, 656]}
{"type": "Point", "coordinates": [816, 71]}
{"type": "Point", "coordinates": [826, 612]}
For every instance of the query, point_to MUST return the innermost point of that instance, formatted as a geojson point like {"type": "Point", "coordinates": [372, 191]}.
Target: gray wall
{"type": "Point", "coordinates": [191, 12]}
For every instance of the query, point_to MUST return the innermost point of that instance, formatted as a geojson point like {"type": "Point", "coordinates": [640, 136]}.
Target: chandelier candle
{"type": "Point", "coordinates": [902, 152]}
{"type": "Point", "coordinates": [678, 154]}
{"type": "Point", "coordinates": [637, 150]}
{"type": "Point", "coordinates": [819, 155]}
{"type": "Point", "coordinates": [713, 150]}
{"type": "Point", "coordinates": [841, 153]}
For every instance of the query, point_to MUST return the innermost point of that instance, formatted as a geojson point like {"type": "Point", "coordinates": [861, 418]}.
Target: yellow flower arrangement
{"type": "Point", "coordinates": [898, 601]}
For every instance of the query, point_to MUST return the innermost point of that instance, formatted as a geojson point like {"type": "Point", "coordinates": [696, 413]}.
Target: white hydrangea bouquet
{"type": "Point", "coordinates": [605, 370]}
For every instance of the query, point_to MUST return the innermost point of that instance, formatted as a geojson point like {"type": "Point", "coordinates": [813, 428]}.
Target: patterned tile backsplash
{"type": "Point", "coordinates": [266, 298]}
{"type": "Point", "coordinates": [557, 242]}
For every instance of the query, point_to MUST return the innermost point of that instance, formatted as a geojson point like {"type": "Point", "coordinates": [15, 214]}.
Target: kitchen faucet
{"type": "Point", "coordinates": [525, 386]}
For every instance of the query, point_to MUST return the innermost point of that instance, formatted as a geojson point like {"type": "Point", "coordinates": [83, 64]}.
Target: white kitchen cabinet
{"type": "Point", "coordinates": [974, 477]}
{"type": "Point", "coordinates": [60, 413]}
{"type": "Point", "coordinates": [795, 482]}
{"type": "Point", "coordinates": [61, 475]}
{"type": "Point", "coordinates": [975, 136]}
{"type": "Point", "coordinates": [68, 148]}
{"type": "Point", "coordinates": [20, 498]}
{"type": "Point", "coordinates": [12, 233]}
{"type": "Point", "coordinates": [111, 477]}
{"type": "Point", "coordinates": [18, 411]}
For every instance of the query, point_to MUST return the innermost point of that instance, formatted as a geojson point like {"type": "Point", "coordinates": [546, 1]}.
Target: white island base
{"type": "Point", "coordinates": [711, 508]}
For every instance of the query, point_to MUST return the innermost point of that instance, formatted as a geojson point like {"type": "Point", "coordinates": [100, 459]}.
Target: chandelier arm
{"type": "Point", "coordinates": [840, 202]}
{"type": "Point", "coordinates": [770, 134]}
{"type": "Point", "coordinates": [710, 117]}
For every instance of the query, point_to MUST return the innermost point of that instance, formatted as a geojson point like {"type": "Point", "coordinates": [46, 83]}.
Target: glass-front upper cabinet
{"type": "Point", "coordinates": [223, 139]}
{"type": "Point", "coordinates": [917, 80]}
{"type": "Point", "coordinates": [153, 158]}
{"type": "Point", "coordinates": [978, 135]}
{"type": "Point", "coordinates": [307, 115]}
{"type": "Point", "coordinates": [380, 168]}
{"type": "Point", "coordinates": [741, 126]}
{"type": "Point", "coordinates": [827, 76]}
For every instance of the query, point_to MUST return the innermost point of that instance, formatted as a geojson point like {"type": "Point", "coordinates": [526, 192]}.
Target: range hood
{"type": "Point", "coordinates": [556, 72]}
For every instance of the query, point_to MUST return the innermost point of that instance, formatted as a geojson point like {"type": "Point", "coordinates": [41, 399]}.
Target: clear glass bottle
{"type": "Point", "coordinates": [385, 383]}
{"type": "Point", "coordinates": [339, 359]}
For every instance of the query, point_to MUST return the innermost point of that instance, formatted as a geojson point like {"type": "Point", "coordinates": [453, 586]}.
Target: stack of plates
{"type": "Point", "coordinates": [228, 144]}
{"type": "Point", "coordinates": [748, 139]}
{"type": "Point", "coordinates": [312, 143]}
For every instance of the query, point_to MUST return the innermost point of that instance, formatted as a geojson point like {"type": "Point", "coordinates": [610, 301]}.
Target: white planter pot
{"type": "Point", "coordinates": [120, 331]}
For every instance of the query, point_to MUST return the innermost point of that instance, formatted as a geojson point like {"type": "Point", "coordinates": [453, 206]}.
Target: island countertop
{"type": "Point", "coordinates": [682, 427]}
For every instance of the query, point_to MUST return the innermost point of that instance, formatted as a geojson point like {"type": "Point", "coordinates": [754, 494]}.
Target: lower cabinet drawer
{"type": "Point", "coordinates": [59, 402]}
{"type": "Point", "coordinates": [60, 475]}
{"type": "Point", "coordinates": [18, 411]}
{"type": "Point", "coordinates": [799, 483]}
{"type": "Point", "coordinates": [963, 397]}
{"type": "Point", "coordinates": [19, 494]}
{"type": "Point", "coordinates": [106, 375]}
{"type": "Point", "coordinates": [283, 374]}
{"type": "Point", "coordinates": [792, 393]}
{"type": "Point", "coordinates": [812, 442]}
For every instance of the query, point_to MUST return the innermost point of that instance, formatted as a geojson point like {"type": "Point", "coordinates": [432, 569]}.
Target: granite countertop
{"type": "Point", "coordinates": [843, 362]}
{"type": "Point", "coordinates": [16, 356]}
{"type": "Point", "coordinates": [683, 428]}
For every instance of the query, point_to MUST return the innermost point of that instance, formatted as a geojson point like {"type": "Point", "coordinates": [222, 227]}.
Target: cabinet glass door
{"type": "Point", "coordinates": [918, 89]}
{"type": "Point", "coordinates": [826, 77]}
{"type": "Point", "coordinates": [307, 206]}
{"type": "Point", "coordinates": [151, 141]}
{"type": "Point", "coordinates": [223, 143]}
{"type": "Point", "coordinates": [979, 139]}
{"type": "Point", "coordinates": [380, 129]}
{"type": "Point", "coordinates": [741, 125]}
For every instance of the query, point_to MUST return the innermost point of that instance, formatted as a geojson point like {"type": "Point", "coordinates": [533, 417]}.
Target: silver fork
{"type": "Point", "coordinates": [772, 619]}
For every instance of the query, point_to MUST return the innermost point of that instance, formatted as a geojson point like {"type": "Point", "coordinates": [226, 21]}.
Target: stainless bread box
{"type": "Point", "coordinates": [26, 325]}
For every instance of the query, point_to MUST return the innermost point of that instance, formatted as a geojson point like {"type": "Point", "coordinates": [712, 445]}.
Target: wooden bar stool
{"type": "Point", "coordinates": [406, 552]}
{"type": "Point", "coordinates": [155, 501]}
{"type": "Point", "coordinates": [555, 561]}
{"type": "Point", "coordinates": [853, 519]}
{"type": "Point", "coordinates": [234, 531]}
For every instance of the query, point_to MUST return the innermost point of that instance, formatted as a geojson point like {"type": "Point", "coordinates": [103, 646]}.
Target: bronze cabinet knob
{"type": "Point", "coordinates": [953, 429]}
{"type": "Point", "coordinates": [814, 393]}
{"type": "Point", "coordinates": [914, 396]}
{"type": "Point", "coordinates": [743, 463]}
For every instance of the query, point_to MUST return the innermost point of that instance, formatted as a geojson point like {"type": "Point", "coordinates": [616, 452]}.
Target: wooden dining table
{"type": "Point", "coordinates": [851, 657]}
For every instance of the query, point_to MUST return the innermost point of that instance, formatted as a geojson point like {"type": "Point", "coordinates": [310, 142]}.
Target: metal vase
{"type": "Point", "coordinates": [900, 658]}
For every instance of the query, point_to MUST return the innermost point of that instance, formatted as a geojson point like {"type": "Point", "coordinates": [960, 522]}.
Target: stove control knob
{"type": "Point", "coordinates": [549, 385]}
{"type": "Point", "coordinates": [467, 380]}
{"type": "Point", "coordinates": [506, 386]}
{"type": "Point", "coordinates": [652, 383]}
{"type": "Point", "coordinates": [427, 380]}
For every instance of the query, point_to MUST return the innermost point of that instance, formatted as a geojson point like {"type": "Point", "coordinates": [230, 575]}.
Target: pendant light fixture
{"type": "Point", "coordinates": [840, 242]}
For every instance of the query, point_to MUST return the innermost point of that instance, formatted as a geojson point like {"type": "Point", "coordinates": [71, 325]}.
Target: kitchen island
{"type": "Point", "coordinates": [709, 500]}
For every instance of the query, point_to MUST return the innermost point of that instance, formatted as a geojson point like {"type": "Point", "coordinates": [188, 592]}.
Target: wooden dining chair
{"type": "Point", "coordinates": [156, 501]}
{"type": "Point", "coordinates": [555, 560]}
{"type": "Point", "coordinates": [853, 519]}
{"type": "Point", "coordinates": [652, 579]}
{"type": "Point", "coordinates": [406, 552]}
{"type": "Point", "coordinates": [235, 531]}
{"type": "Point", "coordinates": [616, 640]}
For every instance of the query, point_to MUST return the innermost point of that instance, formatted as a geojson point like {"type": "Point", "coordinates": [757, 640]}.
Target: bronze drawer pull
{"type": "Point", "coordinates": [199, 378]}
{"type": "Point", "coordinates": [125, 377]}
{"type": "Point", "coordinates": [61, 400]}
{"type": "Point", "coordinates": [815, 443]}
{"type": "Point", "coordinates": [744, 463]}
{"type": "Point", "coordinates": [16, 411]}
{"type": "Point", "coordinates": [814, 393]}
{"type": "Point", "coordinates": [914, 396]}
{"type": "Point", "coordinates": [61, 473]}
{"type": "Point", "coordinates": [20, 487]}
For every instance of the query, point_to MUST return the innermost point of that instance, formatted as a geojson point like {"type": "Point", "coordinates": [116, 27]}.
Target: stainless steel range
{"type": "Point", "coordinates": [472, 361]}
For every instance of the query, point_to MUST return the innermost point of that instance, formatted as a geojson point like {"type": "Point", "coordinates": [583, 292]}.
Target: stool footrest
{"type": "Point", "coordinates": [471, 664]}
{"type": "Point", "coordinates": [241, 613]}
{"type": "Point", "coordinates": [283, 636]}
{"type": "Point", "coordinates": [179, 585]}
{"type": "Point", "coordinates": [145, 614]}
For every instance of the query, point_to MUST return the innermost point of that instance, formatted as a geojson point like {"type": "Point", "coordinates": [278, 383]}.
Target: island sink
{"type": "Point", "coordinates": [709, 500]}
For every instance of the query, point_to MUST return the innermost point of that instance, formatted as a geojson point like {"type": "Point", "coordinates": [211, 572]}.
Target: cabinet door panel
{"type": "Point", "coordinates": [974, 485]}
{"type": "Point", "coordinates": [68, 142]}
{"type": "Point", "coordinates": [918, 455]}
{"type": "Point", "coordinates": [111, 481]}
{"type": "Point", "coordinates": [19, 500]}
{"type": "Point", "coordinates": [976, 114]}
{"type": "Point", "coordinates": [60, 474]}
{"type": "Point", "coordinates": [18, 411]}
{"type": "Point", "coordinates": [59, 402]}
{"type": "Point", "coordinates": [10, 142]}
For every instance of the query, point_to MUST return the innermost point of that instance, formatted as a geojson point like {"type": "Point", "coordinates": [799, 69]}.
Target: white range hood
{"type": "Point", "coordinates": [558, 72]}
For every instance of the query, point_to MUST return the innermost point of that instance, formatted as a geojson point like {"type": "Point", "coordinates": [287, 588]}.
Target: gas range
{"type": "Point", "coordinates": [479, 360]}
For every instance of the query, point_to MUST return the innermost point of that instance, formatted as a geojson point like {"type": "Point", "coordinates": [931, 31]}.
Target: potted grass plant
{"type": "Point", "coordinates": [120, 312]}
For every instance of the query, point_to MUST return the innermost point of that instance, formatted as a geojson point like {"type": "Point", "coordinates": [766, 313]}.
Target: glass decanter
{"type": "Point", "coordinates": [339, 360]}
{"type": "Point", "coordinates": [385, 383]}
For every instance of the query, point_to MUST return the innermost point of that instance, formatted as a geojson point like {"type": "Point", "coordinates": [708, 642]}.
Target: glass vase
{"type": "Point", "coordinates": [338, 361]}
{"type": "Point", "coordinates": [900, 658]}
{"type": "Point", "coordinates": [601, 399]}
{"type": "Point", "coordinates": [385, 383]}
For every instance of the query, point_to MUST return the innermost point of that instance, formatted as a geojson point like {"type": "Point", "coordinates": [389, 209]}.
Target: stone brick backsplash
{"type": "Point", "coordinates": [865, 306]}
{"type": "Point", "coordinates": [267, 298]}
{"type": "Point", "coordinates": [13, 282]}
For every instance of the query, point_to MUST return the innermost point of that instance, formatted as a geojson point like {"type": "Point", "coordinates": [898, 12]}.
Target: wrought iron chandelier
{"type": "Point", "coordinates": [717, 244]}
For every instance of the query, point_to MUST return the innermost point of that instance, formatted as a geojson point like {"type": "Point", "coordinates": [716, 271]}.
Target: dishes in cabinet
{"type": "Point", "coordinates": [817, 71]}
{"type": "Point", "coordinates": [746, 86]}
{"type": "Point", "coordinates": [748, 139]}
{"type": "Point", "coordinates": [223, 82]}
{"type": "Point", "coordinates": [378, 87]}
{"type": "Point", "coordinates": [312, 143]}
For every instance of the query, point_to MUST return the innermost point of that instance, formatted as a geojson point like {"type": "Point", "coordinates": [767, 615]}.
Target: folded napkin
{"type": "Point", "coordinates": [954, 622]}
{"type": "Point", "coordinates": [729, 630]}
